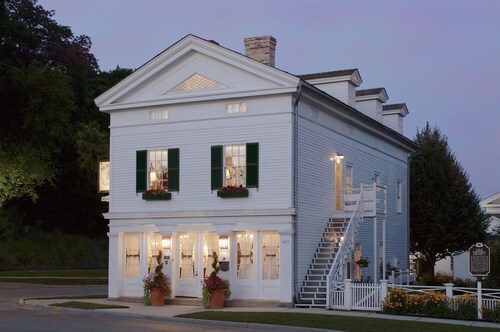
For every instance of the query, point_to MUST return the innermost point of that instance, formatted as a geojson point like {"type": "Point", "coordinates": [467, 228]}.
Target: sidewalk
{"type": "Point", "coordinates": [169, 311]}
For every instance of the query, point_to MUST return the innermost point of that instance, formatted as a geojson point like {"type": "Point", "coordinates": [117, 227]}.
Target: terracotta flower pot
{"type": "Point", "coordinates": [217, 299]}
{"type": "Point", "coordinates": [157, 297]}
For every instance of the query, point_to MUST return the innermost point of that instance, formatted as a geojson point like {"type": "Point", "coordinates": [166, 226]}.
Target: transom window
{"type": "Point", "coordinates": [236, 108]}
{"type": "Point", "coordinates": [158, 115]}
{"type": "Point", "coordinates": [158, 169]}
{"type": "Point", "coordinates": [235, 157]}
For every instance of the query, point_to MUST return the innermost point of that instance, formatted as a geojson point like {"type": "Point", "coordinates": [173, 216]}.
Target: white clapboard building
{"type": "Point", "coordinates": [318, 165]}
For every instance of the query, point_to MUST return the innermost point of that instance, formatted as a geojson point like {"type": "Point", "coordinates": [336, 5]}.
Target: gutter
{"type": "Point", "coordinates": [295, 110]}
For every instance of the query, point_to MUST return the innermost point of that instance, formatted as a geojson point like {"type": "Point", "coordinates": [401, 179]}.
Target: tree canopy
{"type": "Point", "coordinates": [445, 216]}
{"type": "Point", "coordinates": [52, 134]}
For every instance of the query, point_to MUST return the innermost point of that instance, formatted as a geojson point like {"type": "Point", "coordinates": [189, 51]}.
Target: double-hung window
{"type": "Point", "coordinates": [157, 170]}
{"type": "Point", "coordinates": [235, 165]}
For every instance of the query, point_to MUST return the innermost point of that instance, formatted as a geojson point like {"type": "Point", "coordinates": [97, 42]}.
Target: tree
{"type": "Point", "coordinates": [445, 216]}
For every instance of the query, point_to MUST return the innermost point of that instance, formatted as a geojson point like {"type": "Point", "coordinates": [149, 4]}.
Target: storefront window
{"type": "Point", "coordinates": [210, 245]}
{"type": "Point", "coordinates": [270, 256]}
{"type": "Point", "coordinates": [186, 256]}
{"type": "Point", "coordinates": [133, 253]}
{"type": "Point", "coordinates": [154, 249]}
{"type": "Point", "coordinates": [245, 255]}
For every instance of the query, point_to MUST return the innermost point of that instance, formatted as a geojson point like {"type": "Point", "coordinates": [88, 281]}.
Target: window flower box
{"type": "Point", "coordinates": [156, 195]}
{"type": "Point", "coordinates": [232, 191]}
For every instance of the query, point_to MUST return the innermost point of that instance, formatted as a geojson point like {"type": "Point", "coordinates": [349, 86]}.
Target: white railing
{"type": "Point", "coordinates": [336, 274]}
{"type": "Point", "coordinates": [369, 296]}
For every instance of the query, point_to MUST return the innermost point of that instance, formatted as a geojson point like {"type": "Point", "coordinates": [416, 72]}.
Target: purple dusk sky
{"type": "Point", "coordinates": [442, 58]}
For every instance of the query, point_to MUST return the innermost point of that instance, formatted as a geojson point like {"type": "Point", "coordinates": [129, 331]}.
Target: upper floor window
{"type": "Point", "coordinates": [235, 161]}
{"type": "Point", "coordinates": [236, 108]}
{"type": "Point", "coordinates": [157, 169]}
{"type": "Point", "coordinates": [235, 165]}
{"type": "Point", "coordinates": [399, 194]}
{"type": "Point", "coordinates": [158, 115]}
{"type": "Point", "coordinates": [348, 179]}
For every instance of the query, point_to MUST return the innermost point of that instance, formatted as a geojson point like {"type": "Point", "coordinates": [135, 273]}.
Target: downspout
{"type": "Point", "coordinates": [295, 110]}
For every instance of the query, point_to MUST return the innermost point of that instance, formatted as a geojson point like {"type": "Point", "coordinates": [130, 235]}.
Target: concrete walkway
{"type": "Point", "coordinates": [169, 311]}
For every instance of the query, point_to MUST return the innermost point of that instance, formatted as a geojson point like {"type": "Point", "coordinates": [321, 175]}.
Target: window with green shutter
{"type": "Point", "coordinates": [216, 166]}
{"type": "Point", "coordinates": [173, 169]}
{"type": "Point", "coordinates": [235, 166]}
{"type": "Point", "coordinates": [252, 165]}
{"type": "Point", "coordinates": [157, 171]}
{"type": "Point", "coordinates": [141, 170]}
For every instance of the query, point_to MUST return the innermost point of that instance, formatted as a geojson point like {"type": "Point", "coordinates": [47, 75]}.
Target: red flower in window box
{"type": "Point", "coordinates": [233, 189]}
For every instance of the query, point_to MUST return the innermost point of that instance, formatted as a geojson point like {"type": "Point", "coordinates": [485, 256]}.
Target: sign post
{"type": "Point", "coordinates": [479, 267]}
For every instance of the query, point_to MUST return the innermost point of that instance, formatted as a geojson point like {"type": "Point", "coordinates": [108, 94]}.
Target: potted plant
{"type": "Point", "coordinates": [232, 191]}
{"type": "Point", "coordinates": [215, 289]}
{"type": "Point", "coordinates": [363, 262]}
{"type": "Point", "coordinates": [156, 195]}
{"type": "Point", "coordinates": [156, 285]}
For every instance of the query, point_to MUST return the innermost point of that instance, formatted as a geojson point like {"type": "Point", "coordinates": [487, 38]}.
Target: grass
{"type": "Point", "coordinates": [72, 297]}
{"type": "Point", "coordinates": [344, 323]}
{"type": "Point", "coordinates": [56, 277]}
{"type": "Point", "coordinates": [86, 305]}
{"type": "Point", "coordinates": [97, 273]}
{"type": "Point", "coordinates": [57, 281]}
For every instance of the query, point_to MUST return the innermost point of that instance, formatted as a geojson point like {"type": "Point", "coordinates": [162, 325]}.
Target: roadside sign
{"type": "Point", "coordinates": [479, 260]}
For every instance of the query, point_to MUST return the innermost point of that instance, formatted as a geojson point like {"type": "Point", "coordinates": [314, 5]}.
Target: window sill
{"type": "Point", "coordinates": [232, 194]}
{"type": "Point", "coordinates": [153, 197]}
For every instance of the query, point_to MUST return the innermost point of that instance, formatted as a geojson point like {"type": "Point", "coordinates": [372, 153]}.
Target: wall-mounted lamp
{"type": "Point", "coordinates": [338, 157]}
{"type": "Point", "coordinates": [166, 242]}
{"type": "Point", "coordinates": [223, 242]}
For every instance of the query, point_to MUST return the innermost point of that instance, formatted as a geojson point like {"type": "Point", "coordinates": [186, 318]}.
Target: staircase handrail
{"type": "Point", "coordinates": [346, 246]}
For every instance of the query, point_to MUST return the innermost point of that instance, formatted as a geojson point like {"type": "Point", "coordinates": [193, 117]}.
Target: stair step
{"type": "Point", "coordinates": [316, 277]}
{"type": "Point", "coordinates": [314, 283]}
{"type": "Point", "coordinates": [315, 290]}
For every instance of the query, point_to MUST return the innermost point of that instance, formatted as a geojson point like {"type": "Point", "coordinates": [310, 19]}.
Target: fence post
{"type": "Point", "coordinates": [347, 294]}
{"type": "Point", "coordinates": [383, 289]}
{"type": "Point", "coordinates": [479, 300]}
{"type": "Point", "coordinates": [449, 290]}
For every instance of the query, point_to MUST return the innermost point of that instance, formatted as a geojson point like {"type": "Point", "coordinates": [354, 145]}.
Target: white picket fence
{"type": "Point", "coordinates": [369, 296]}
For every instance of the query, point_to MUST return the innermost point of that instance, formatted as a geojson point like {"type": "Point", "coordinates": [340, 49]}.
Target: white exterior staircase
{"type": "Point", "coordinates": [335, 249]}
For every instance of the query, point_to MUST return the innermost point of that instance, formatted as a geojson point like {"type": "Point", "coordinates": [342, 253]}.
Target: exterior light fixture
{"type": "Point", "coordinates": [166, 242]}
{"type": "Point", "coordinates": [223, 242]}
{"type": "Point", "coordinates": [340, 156]}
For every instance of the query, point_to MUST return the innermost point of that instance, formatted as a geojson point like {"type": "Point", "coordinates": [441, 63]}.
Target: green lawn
{"type": "Point", "coordinates": [344, 323]}
{"type": "Point", "coordinates": [56, 277]}
{"type": "Point", "coordinates": [100, 273]}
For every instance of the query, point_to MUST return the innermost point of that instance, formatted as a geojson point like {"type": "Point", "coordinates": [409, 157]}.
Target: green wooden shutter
{"type": "Point", "coordinates": [252, 165]}
{"type": "Point", "coordinates": [141, 169]}
{"type": "Point", "coordinates": [173, 169]}
{"type": "Point", "coordinates": [216, 167]}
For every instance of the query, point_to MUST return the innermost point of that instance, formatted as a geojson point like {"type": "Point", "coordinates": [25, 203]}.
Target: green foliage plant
{"type": "Point", "coordinates": [214, 282]}
{"type": "Point", "coordinates": [445, 214]}
{"type": "Point", "coordinates": [156, 279]}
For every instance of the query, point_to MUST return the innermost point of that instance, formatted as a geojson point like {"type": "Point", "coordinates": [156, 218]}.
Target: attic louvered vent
{"type": "Point", "coordinates": [196, 82]}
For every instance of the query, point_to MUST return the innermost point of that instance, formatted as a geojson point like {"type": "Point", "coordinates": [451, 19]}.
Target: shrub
{"type": "Point", "coordinates": [492, 315]}
{"type": "Point", "coordinates": [464, 307]}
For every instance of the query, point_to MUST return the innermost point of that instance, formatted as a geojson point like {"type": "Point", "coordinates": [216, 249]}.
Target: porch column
{"type": "Point", "coordinates": [375, 251]}
{"type": "Point", "coordinates": [286, 267]}
{"type": "Point", "coordinates": [115, 265]}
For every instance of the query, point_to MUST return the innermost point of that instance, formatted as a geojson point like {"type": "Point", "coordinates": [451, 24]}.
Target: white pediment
{"type": "Point", "coordinates": [194, 69]}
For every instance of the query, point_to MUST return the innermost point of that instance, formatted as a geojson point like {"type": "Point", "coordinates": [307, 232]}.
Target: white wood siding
{"type": "Point", "coordinates": [267, 121]}
{"type": "Point", "coordinates": [320, 139]}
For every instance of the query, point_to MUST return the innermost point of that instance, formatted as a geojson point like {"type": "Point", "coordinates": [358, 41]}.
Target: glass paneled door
{"type": "Point", "coordinates": [194, 257]}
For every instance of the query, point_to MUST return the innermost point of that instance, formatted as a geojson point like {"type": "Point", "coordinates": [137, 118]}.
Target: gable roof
{"type": "Point", "coordinates": [154, 82]}
{"type": "Point", "coordinates": [491, 205]}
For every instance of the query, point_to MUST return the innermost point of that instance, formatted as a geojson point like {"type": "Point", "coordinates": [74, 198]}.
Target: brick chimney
{"type": "Point", "coordinates": [261, 48]}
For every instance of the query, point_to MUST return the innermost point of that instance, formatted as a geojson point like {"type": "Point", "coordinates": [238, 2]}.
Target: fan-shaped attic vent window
{"type": "Point", "coordinates": [197, 82]}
